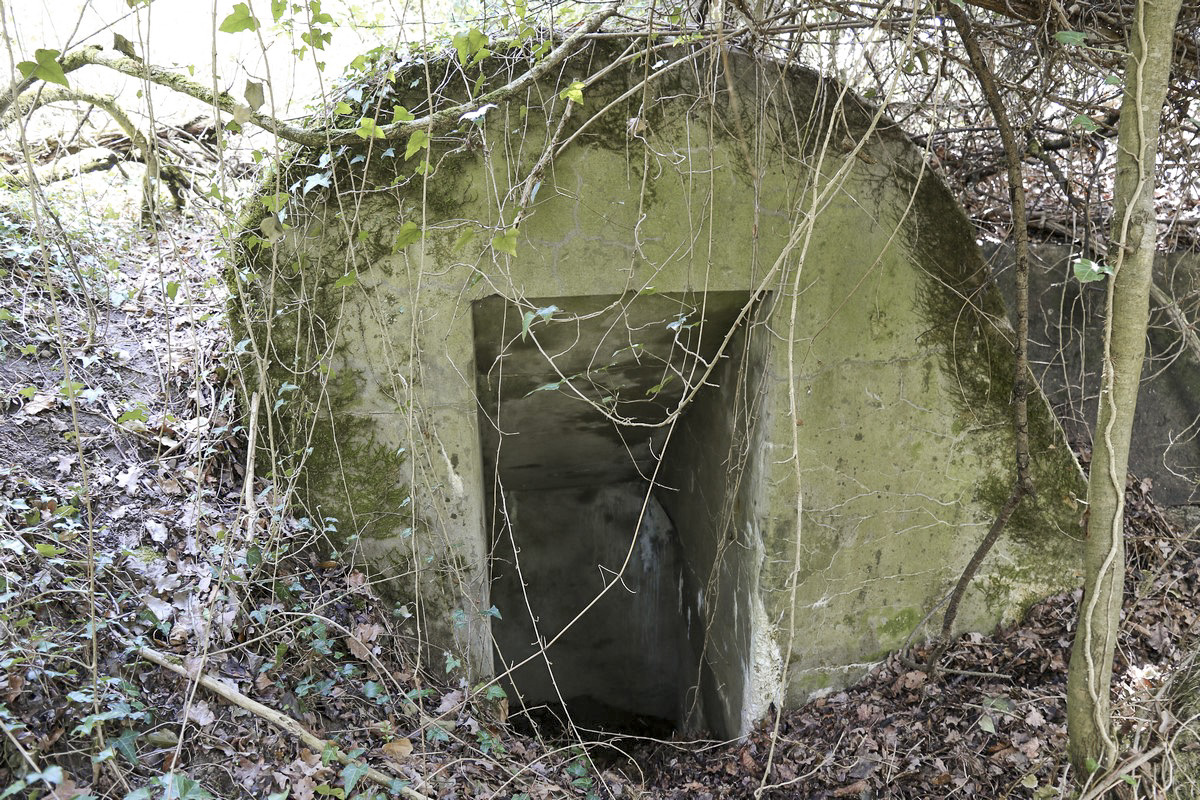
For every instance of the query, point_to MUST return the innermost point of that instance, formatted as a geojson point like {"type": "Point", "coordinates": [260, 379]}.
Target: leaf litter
{"type": "Point", "coordinates": [162, 525]}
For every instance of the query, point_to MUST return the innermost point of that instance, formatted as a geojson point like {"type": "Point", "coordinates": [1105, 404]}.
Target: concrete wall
{"type": "Point", "coordinates": [842, 458]}
{"type": "Point", "coordinates": [1066, 346]}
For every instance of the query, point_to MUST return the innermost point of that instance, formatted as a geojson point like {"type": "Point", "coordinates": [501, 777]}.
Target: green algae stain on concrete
{"type": "Point", "coordinates": [894, 630]}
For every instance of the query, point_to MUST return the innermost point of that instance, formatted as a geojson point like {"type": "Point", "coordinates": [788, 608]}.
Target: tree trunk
{"type": "Point", "coordinates": [1131, 259]}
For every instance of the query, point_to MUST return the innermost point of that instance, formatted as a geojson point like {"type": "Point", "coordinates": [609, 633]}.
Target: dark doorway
{"type": "Point", "coordinates": [573, 395]}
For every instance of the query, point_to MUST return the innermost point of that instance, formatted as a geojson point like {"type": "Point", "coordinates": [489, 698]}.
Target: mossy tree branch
{"type": "Point", "coordinates": [156, 169]}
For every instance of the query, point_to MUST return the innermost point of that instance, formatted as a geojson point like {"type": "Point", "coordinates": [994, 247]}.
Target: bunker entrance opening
{"type": "Point", "coordinates": [608, 505]}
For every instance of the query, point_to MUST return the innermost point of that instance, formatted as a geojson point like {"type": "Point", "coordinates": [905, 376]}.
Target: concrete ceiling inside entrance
{"type": "Point", "coordinates": [572, 390]}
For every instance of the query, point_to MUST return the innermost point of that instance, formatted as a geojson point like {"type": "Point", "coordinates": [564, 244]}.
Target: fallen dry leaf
{"type": "Point", "coordinates": [39, 403]}
{"type": "Point", "coordinates": [398, 749]}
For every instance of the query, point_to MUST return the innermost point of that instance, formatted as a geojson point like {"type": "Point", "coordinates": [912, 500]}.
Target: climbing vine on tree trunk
{"type": "Point", "coordinates": [1126, 315]}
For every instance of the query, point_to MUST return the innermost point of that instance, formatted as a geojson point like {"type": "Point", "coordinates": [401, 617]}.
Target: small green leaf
{"type": "Point", "coordinates": [987, 723]}
{"type": "Point", "coordinates": [495, 692]}
{"type": "Point", "coordinates": [401, 114]}
{"type": "Point", "coordinates": [547, 387]}
{"type": "Point", "coordinates": [463, 239]}
{"type": "Point", "coordinates": [352, 774]}
{"type": "Point", "coordinates": [135, 414]}
{"type": "Point", "coordinates": [126, 745]}
{"type": "Point", "coordinates": [1089, 271]}
{"type": "Point", "coordinates": [172, 289]}
{"type": "Point", "coordinates": [125, 47]}
{"type": "Point", "coordinates": [275, 203]}
{"type": "Point", "coordinates": [506, 242]}
{"type": "Point", "coordinates": [1091, 764]}
{"type": "Point", "coordinates": [70, 389]}
{"type": "Point", "coordinates": [349, 279]}
{"type": "Point", "coordinates": [255, 95]}
{"type": "Point", "coordinates": [240, 20]}
{"type": "Point", "coordinates": [315, 180]}
{"type": "Point", "coordinates": [1085, 122]}
{"type": "Point", "coordinates": [1071, 38]}
{"type": "Point", "coordinates": [367, 129]}
{"type": "Point", "coordinates": [409, 232]}
{"type": "Point", "coordinates": [342, 108]}
{"type": "Point", "coordinates": [277, 9]}
{"type": "Point", "coordinates": [574, 92]}
{"type": "Point", "coordinates": [416, 142]}
{"type": "Point", "coordinates": [45, 67]}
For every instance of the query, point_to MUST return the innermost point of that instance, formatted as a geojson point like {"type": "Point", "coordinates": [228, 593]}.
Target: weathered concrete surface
{"type": "Point", "coordinates": [1066, 349]}
{"type": "Point", "coordinates": [827, 469]}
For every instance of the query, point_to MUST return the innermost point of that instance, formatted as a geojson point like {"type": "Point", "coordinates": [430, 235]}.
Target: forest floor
{"type": "Point", "coordinates": [130, 545]}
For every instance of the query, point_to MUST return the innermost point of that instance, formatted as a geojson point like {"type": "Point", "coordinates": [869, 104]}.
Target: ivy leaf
{"type": "Point", "coordinates": [401, 114]}
{"type": "Point", "coordinates": [349, 279]}
{"type": "Point", "coordinates": [547, 387]}
{"type": "Point", "coordinates": [254, 94]}
{"type": "Point", "coordinates": [315, 180]}
{"type": "Point", "coordinates": [352, 774]}
{"type": "Point", "coordinates": [45, 67]}
{"type": "Point", "coordinates": [275, 203]}
{"type": "Point", "coordinates": [183, 787]}
{"type": "Point", "coordinates": [418, 140]}
{"type": "Point", "coordinates": [240, 20]}
{"type": "Point", "coordinates": [573, 93]}
{"type": "Point", "coordinates": [409, 232]}
{"type": "Point", "coordinates": [1088, 271]}
{"type": "Point", "coordinates": [342, 107]}
{"type": "Point", "coordinates": [1071, 38]}
{"type": "Point", "coordinates": [367, 129]}
{"type": "Point", "coordinates": [477, 114]}
{"type": "Point", "coordinates": [277, 9]}
{"type": "Point", "coordinates": [125, 47]}
{"type": "Point", "coordinates": [1085, 122]}
{"type": "Point", "coordinates": [506, 242]}
{"type": "Point", "coordinates": [126, 745]}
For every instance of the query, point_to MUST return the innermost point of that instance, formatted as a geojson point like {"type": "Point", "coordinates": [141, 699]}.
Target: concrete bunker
{"type": "Point", "coordinates": [586, 411]}
{"type": "Point", "coordinates": [450, 342]}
